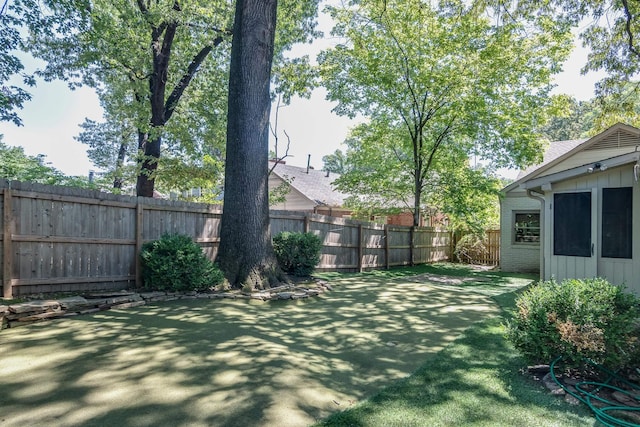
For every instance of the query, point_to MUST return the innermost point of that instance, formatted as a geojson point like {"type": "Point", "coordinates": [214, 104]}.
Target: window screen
{"type": "Point", "coordinates": [572, 224]}
{"type": "Point", "coordinates": [616, 222]}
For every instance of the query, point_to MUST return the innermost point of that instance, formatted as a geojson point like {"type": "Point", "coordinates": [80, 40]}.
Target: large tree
{"type": "Point", "coordinates": [440, 79]}
{"type": "Point", "coordinates": [246, 256]}
{"type": "Point", "coordinates": [150, 53]}
{"type": "Point", "coordinates": [378, 177]}
{"type": "Point", "coordinates": [192, 148]}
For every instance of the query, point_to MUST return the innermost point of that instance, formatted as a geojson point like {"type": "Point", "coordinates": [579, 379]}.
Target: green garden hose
{"type": "Point", "coordinates": [604, 413]}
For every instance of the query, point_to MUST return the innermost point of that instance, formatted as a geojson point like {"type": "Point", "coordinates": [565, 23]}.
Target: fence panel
{"type": "Point", "coordinates": [374, 247]}
{"type": "Point", "coordinates": [493, 247]}
{"type": "Point", "coordinates": [340, 242]}
{"type": "Point", "coordinates": [399, 245]}
{"type": "Point", "coordinates": [59, 239]}
{"type": "Point", "coordinates": [431, 245]}
{"type": "Point", "coordinates": [287, 221]}
{"type": "Point", "coordinates": [64, 239]}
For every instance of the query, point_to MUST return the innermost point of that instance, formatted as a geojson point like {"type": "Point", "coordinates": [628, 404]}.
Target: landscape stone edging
{"type": "Point", "coordinates": [25, 313]}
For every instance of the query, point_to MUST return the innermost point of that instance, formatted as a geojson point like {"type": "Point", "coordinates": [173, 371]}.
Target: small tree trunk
{"type": "Point", "coordinates": [417, 200]}
{"type": "Point", "coordinates": [122, 152]}
{"type": "Point", "coordinates": [246, 254]}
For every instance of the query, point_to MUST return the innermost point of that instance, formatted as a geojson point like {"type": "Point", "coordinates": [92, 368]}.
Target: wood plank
{"type": "Point", "coordinates": [210, 209]}
{"type": "Point", "coordinates": [340, 245]}
{"type": "Point", "coordinates": [386, 247]}
{"type": "Point", "coordinates": [139, 242]}
{"type": "Point", "coordinates": [65, 280]}
{"type": "Point", "coordinates": [65, 239]}
{"type": "Point", "coordinates": [7, 244]}
{"type": "Point", "coordinates": [339, 266]}
{"type": "Point", "coordinates": [72, 199]}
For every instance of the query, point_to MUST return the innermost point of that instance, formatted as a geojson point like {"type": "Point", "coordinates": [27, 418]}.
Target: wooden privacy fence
{"type": "Point", "coordinates": [62, 239]}
{"type": "Point", "coordinates": [354, 245]}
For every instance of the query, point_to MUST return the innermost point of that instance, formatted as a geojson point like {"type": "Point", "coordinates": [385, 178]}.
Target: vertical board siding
{"type": "Point", "coordinates": [60, 239]}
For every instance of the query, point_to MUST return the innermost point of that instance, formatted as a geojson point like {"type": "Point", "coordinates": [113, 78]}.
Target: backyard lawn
{"type": "Point", "coordinates": [285, 363]}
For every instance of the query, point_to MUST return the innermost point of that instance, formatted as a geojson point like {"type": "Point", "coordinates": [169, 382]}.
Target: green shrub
{"type": "Point", "coordinates": [576, 319]}
{"type": "Point", "coordinates": [176, 263]}
{"type": "Point", "coordinates": [297, 253]}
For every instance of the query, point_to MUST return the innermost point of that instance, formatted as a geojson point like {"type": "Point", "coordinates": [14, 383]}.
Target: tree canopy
{"type": "Point", "coordinates": [610, 29]}
{"type": "Point", "coordinates": [438, 84]}
{"type": "Point", "coordinates": [144, 58]}
{"type": "Point", "coordinates": [13, 95]}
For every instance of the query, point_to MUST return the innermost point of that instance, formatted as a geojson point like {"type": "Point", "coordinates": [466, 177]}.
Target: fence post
{"type": "Point", "coordinates": [139, 241]}
{"type": "Point", "coordinates": [386, 246]}
{"type": "Point", "coordinates": [7, 244]}
{"type": "Point", "coordinates": [412, 244]}
{"type": "Point", "coordinates": [306, 223]}
{"type": "Point", "coordinates": [452, 246]}
{"type": "Point", "coordinates": [360, 248]}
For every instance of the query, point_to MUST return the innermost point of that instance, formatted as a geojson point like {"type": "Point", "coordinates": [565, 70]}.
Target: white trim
{"type": "Point", "coordinates": [547, 180]}
{"type": "Point", "coordinates": [618, 127]}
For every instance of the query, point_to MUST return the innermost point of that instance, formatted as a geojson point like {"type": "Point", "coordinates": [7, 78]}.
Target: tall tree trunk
{"type": "Point", "coordinates": [417, 200]}
{"type": "Point", "coordinates": [246, 255]}
{"type": "Point", "coordinates": [148, 165]}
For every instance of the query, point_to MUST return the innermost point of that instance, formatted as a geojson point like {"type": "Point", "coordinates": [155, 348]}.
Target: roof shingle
{"type": "Point", "coordinates": [315, 184]}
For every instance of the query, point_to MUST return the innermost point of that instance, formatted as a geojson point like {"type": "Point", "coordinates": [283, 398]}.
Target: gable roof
{"type": "Point", "coordinates": [316, 185]}
{"type": "Point", "coordinates": [553, 151]}
{"type": "Point", "coordinates": [623, 136]}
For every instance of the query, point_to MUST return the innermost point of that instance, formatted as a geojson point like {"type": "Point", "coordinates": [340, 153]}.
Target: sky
{"type": "Point", "coordinates": [51, 120]}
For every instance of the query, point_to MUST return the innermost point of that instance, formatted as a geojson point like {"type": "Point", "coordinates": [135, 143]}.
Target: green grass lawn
{"type": "Point", "coordinates": [285, 363]}
{"type": "Point", "coordinates": [475, 381]}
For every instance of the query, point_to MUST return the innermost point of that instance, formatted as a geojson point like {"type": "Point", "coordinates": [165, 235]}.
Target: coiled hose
{"type": "Point", "coordinates": [605, 412]}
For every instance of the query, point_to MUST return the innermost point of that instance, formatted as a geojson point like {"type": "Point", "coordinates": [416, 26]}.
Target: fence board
{"type": "Point", "coordinates": [57, 239]}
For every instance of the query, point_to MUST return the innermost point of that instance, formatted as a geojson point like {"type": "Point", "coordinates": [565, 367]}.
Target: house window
{"type": "Point", "coordinates": [616, 222]}
{"type": "Point", "coordinates": [527, 227]}
{"type": "Point", "coordinates": [572, 224]}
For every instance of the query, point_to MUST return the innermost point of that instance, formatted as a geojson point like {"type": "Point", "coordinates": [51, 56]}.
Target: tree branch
{"type": "Point", "coordinates": [439, 141]}
{"type": "Point", "coordinates": [629, 16]}
{"type": "Point", "coordinates": [274, 132]}
{"type": "Point", "coordinates": [142, 7]}
{"type": "Point", "coordinates": [178, 90]}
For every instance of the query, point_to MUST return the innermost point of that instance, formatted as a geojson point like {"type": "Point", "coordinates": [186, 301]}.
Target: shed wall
{"type": "Point", "coordinates": [517, 258]}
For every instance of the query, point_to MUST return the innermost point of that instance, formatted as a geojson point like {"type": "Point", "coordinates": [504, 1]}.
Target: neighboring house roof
{"type": "Point", "coordinates": [617, 140]}
{"type": "Point", "coordinates": [316, 185]}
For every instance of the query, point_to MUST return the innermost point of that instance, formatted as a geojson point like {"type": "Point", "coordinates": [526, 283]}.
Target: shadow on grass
{"type": "Point", "coordinates": [475, 381]}
{"type": "Point", "coordinates": [231, 362]}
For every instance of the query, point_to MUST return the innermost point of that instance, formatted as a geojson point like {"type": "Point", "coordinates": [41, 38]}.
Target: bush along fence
{"type": "Point", "coordinates": [478, 249]}
{"type": "Point", "coordinates": [62, 239]}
